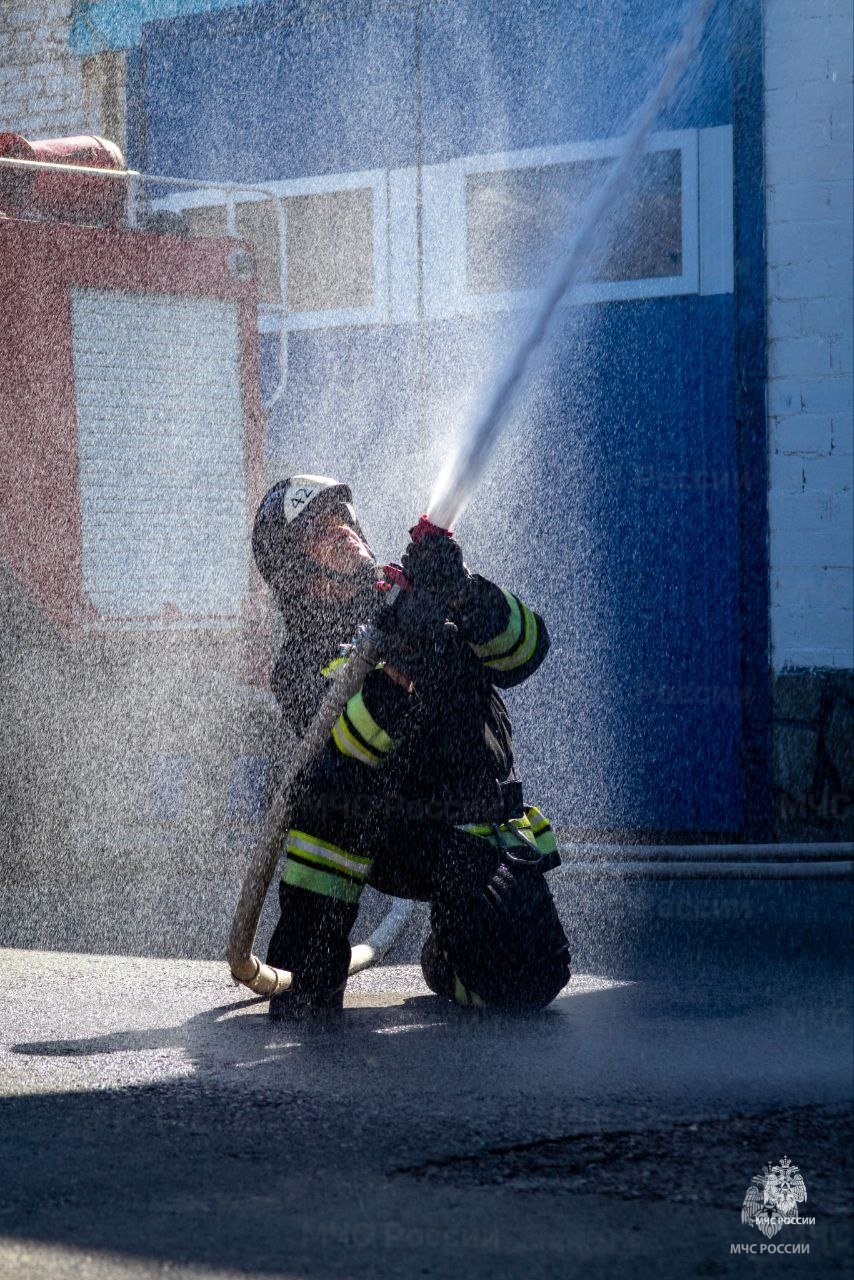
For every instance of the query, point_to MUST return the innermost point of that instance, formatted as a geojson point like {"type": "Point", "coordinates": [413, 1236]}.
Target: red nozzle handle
{"type": "Point", "coordinates": [393, 576]}
{"type": "Point", "coordinates": [425, 526]}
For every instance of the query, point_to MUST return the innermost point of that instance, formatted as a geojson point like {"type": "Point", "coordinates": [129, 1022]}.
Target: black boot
{"type": "Point", "coordinates": [318, 1007]}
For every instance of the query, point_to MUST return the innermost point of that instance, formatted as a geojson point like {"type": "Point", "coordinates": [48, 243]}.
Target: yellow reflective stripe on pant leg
{"type": "Point", "coordinates": [462, 995]}
{"type": "Point", "coordinates": [525, 650]}
{"type": "Point", "coordinates": [348, 745]}
{"type": "Point", "coordinates": [509, 637]}
{"type": "Point", "coordinates": [311, 849]}
{"type": "Point", "coordinates": [321, 882]}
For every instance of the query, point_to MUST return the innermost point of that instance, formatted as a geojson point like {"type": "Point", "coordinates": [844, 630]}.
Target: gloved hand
{"type": "Point", "coordinates": [435, 564]}
{"type": "Point", "coordinates": [415, 634]}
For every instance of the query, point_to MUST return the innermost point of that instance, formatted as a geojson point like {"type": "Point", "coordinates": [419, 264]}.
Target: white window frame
{"type": "Point", "coordinates": [707, 231]}
{"type": "Point", "coordinates": [445, 228]}
{"type": "Point", "coordinates": [273, 316]}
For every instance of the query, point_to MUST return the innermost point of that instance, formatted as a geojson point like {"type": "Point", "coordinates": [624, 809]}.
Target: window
{"type": "Point", "coordinates": [356, 254]}
{"type": "Point", "coordinates": [515, 216]}
{"type": "Point", "coordinates": [335, 238]}
{"type": "Point", "coordinates": [330, 250]}
{"type": "Point", "coordinates": [493, 223]}
{"type": "Point", "coordinates": [330, 246]}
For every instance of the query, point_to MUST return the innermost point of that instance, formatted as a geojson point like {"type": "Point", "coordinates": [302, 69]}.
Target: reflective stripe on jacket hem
{"type": "Point", "coordinates": [532, 829]}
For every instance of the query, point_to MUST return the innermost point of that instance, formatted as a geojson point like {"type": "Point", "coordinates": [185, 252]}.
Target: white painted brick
{"type": "Point", "coordinates": [812, 548]}
{"type": "Point", "coordinates": [785, 13]}
{"type": "Point", "coordinates": [792, 587]}
{"type": "Point", "coordinates": [28, 17]}
{"type": "Point", "coordinates": [787, 475]}
{"type": "Point", "coordinates": [817, 657]}
{"type": "Point", "coordinates": [841, 61]}
{"type": "Point", "coordinates": [797, 122]}
{"type": "Point", "coordinates": [831, 162]}
{"type": "Point", "coordinates": [831, 92]}
{"type": "Point", "coordinates": [802, 280]}
{"type": "Point", "coordinates": [799, 512]}
{"type": "Point", "coordinates": [832, 316]}
{"type": "Point", "coordinates": [842, 354]}
{"type": "Point", "coordinates": [842, 514]}
{"type": "Point", "coordinates": [827, 395]}
{"type": "Point", "coordinates": [803, 433]}
{"type": "Point", "coordinates": [793, 357]}
{"type": "Point", "coordinates": [788, 242]}
{"type": "Point", "coordinates": [830, 475]}
{"type": "Point", "coordinates": [821, 395]}
{"type": "Point", "coordinates": [784, 397]}
{"type": "Point", "coordinates": [788, 38]}
{"type": "Point", "coordinates": [842, 431]}
{"type": "Point", "coordinates": [791, 625]}
{"type": "Point", "coordinates": [841, 129]}
{"type": "Point", "coordinates": [795, 63]}
{"type": "Point", "coordinates": [785, 319]}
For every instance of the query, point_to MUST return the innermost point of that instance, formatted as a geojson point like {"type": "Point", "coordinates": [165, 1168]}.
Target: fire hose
{"type": "Point", "coordinates": [245, 967]}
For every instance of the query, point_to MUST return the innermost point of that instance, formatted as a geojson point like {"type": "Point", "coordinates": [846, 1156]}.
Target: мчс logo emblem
{"type": "Point", "coordinates": [772, 1199]}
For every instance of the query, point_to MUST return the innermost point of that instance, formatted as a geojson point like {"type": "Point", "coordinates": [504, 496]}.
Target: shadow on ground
{"type": "Point", "coordinates": [381, 1146]}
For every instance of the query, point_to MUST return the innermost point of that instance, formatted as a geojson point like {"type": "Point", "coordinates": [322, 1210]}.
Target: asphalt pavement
{"type": "Point", "coordinates": [154, 1123]}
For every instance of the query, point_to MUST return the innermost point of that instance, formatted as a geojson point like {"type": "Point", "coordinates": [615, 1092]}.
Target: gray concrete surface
{"type": "Point", "coordinates": [154, 1123]}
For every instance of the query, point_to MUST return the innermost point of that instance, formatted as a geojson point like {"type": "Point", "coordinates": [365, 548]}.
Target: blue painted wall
{"type": "Point", "coordinates": [623, 513]}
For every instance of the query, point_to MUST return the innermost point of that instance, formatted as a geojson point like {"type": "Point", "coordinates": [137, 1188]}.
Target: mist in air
{"type": "Point", "coordinates": [139, 752]}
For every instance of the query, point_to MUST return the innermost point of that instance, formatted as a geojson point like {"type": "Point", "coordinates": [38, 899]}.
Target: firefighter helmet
{"type": "Point", "coordinates": [285, 516]}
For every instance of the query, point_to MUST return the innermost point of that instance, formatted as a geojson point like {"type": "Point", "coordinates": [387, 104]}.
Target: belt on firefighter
{"type": "Point", "coordinates": [532, 830]}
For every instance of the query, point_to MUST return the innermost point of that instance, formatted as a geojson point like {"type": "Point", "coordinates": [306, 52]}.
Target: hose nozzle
{"type": "Point", "coordinates": [425, 526]}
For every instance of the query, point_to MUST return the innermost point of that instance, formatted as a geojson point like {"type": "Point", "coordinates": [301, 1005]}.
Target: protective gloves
{"type": "Point", "coordinates": [416, 635]}
{"type": "Point", "coordinates": [434, 564]}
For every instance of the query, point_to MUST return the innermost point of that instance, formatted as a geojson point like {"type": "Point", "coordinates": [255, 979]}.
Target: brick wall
{"type": "Point", "coordinates": [808, 141]}
{"type": "Point", "coordinates": [46, 91]}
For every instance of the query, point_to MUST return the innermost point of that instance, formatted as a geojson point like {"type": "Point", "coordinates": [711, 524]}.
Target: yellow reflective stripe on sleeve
{"type": "Point", "coordinates": [322, 882]}
{"type": "Point", "coordinates": [477, 829]}
{"type": "Point", "coordinates": [508, 638]}
{"type": "Point", "coordinates": [541, 829]}
{"type": "Point", "coordinates": [357, 734]}
{"type": "Point", "coordinates": [310, 849]}
{"type": "Point", "coordinates": [333, 666]}
{"type": "Point", "coordinates": [531, 829]}
{"type": "Point", "coordinates": [525, 650]}
{"type": "Point", "coordinates": [366, 726]}
{"type": "Point", "coordinates": [537, 819]}
{"type": "Point", "coordinates": [348, 746]}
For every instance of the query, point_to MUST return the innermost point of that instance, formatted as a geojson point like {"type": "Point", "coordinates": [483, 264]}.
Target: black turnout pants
{"type": "Point", "coordinates": [508, 950]}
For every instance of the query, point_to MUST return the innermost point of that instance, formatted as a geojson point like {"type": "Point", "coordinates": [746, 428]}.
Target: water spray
{"type": "Point", "coordinates": [451, 494]}
{"type": "Point", "coordinates": [464, 471]}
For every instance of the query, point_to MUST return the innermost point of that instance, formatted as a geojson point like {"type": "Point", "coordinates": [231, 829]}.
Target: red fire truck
{"type": "Point", "coordinates": [131, 456]}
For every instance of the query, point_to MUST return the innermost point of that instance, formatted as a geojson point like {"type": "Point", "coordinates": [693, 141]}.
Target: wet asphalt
{"type": "Point", "coordinates": [154, 1123]}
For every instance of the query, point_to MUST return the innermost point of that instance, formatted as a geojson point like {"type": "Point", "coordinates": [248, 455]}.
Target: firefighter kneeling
{"type": "Point", "coordinates": [416, 792]}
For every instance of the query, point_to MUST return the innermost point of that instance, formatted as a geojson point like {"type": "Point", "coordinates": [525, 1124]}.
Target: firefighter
{"type": "Point", "coordinates": [416, 792]}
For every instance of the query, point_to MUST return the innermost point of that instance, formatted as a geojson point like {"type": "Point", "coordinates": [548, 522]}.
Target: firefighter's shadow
{"type": "Point", "coordinates": [237, 1036]}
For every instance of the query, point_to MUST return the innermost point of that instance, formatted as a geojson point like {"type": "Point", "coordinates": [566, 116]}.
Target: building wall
{"type": "Point", "coordinates": [808, 172]}
{"type": "Point", "coordinates": [46, 91]}
{"type": "Point", "coordinates": [809, 165]}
